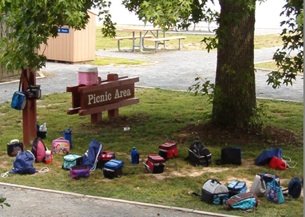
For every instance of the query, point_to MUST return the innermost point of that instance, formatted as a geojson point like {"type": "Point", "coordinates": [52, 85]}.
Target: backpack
{"type": "Point", "coordinates": [265, 156]}
{"type": "Point", "coordinates": [23, 164]}
{"type": "Point", "coordinates": [39, 149]}
{"type": "Point", "coordinates": [243, 201]}
{"type": "Point", "coordinates": [198, 154]}
{"type": "Point", "coordinates": [90, 158]}
{"type": "Point", "coordinates": [236, 187]}
{"type": "Point", "coordinates": [214, 192]}
{"type": "Point", "coordinates": [259, 184]}
{"type": "Point", "coordinates": [295, 187]}
{"type": "Point", "coordinates": [274, 192]}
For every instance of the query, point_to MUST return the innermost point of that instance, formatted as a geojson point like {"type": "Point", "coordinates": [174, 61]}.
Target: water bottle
{"type": "Point", "coordinates": [68, 136]}
{"type": "Point", "coordinates": [134, 156]}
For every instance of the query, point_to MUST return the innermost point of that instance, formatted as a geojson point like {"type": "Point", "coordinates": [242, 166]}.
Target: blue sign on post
{"type": "Point", "coordinates": [63, 30]}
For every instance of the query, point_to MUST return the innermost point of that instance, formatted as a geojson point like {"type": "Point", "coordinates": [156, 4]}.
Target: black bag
{"type": "Point", "coordinates": [14, 147]}
{"type": "Point", "coordinates": [230, 155]}
{"type": "Point", "coordinates": [198, 154]}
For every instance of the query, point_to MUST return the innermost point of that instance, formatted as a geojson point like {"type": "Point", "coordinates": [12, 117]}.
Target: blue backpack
{"type": "Point", "coordinates": [23, 163]}
{"type": "Point", "coordinates": [90, 158]}
{"type": "Point", "coordinates": [266, 155]}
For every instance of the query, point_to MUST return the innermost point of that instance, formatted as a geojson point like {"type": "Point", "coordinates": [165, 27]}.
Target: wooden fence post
{"type": "Point", "coordinates": [29, 112]}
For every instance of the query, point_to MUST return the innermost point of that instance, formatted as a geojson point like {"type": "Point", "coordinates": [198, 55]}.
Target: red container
{"type": "Point", "coordinates": [88, 76]}
{"type": "Point", "coordinates": [104, 157]}
{"type": "Point", "coordinates": [154, 163]}
{"type": "Point", "coordinates": [168, 150]}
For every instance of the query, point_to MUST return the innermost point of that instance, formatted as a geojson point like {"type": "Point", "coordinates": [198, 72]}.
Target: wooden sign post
{"type": "Point", "coordinates": [108, 95]}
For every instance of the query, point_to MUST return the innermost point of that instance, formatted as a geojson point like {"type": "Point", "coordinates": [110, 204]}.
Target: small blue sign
{"type": "Point", "coordinates": [63, 30]}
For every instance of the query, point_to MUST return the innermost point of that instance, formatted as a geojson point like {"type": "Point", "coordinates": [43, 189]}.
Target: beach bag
{"type": "Point", "coordinates": [265, 156]}
{"type": "Point", "coordinates": [90, 158]}
{"type": "Point", "coordinates": [19, 98]}
{"type": "Point", "coordinates": [230, 155]}
{"type": "Point", "coordinates": [39, 149]}
{"type": "Point", "coordinates": [60, 146]}
{"type": "Point", "coordinates": [274, 191]}
{"type": "Point", "coordinates": [199, 155]}
{"type": "Point", "coordinates": [71, 160]}
{"type": "Point", "coordinates": [13, 147]}
{"type": "Point", "coordinates": [242, 201]}
{"type": "Point", "coordinates": [236, 187]}
{"type": "Point", "coordinates": [278, 163]}
{"type": "Point", "coordinates": [259, 183]}
{"type": "Point", "coordinates": [113, 169]}
{"type": "Point", "coordinates": [23, 164]}
{"type": "Point", "coordinates": [79, 171]}
{"type": "Point", "coordinates": [168, 150]}
{"type": "Point", "coordinates": [214, 192]}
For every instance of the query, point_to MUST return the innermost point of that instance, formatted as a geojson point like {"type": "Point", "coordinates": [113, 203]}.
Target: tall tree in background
{"type": "Point", "coordinates": [30, 24]}
{"type": "Point", "coordinates": [289, 58]}
{"type": "Point", "coordinates": [234, 102]}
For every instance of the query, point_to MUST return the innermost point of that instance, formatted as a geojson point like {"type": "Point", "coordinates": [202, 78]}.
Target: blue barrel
{"type": "Point", "coordinates": [134, 156]}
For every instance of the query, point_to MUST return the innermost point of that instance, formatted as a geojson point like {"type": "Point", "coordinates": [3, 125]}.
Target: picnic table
{"type": "Point", "coordinates": [146, 33]}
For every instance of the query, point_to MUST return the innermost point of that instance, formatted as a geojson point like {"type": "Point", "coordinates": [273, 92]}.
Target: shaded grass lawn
{"type": "Point", "coordinates": [160, 115]}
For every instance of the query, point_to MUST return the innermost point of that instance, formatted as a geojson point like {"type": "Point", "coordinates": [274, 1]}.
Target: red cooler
{"type": "Point", "coordinates": [154, 163]}
{"type": "Point", "coordinates": [168, 150]}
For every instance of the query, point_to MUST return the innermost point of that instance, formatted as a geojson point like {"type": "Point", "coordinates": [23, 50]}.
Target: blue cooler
{"type": "Point", "coordinates": [113, 168]}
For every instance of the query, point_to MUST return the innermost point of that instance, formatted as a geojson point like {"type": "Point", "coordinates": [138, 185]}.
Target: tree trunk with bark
{"type": "Point", "coordinates": [235, 99]}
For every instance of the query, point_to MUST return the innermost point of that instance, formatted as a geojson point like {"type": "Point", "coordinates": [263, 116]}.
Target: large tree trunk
{"type": "Point", "coordinates": [234, 100]}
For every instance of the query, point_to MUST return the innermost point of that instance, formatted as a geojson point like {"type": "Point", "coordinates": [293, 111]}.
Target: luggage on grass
{"type": "Point", "coordinates": [113, 169]}
{"type": "Point", "coordinates": [79, 171]}
{"type": "Point", "coordinates": [259, 183]}
{"type": "Point", "coordinates": [71, 160]}
{"type": "Point", "coordinates": [230, 155]}
{"type": "Point", "coordinates": [214, 192]}
{"type": "Point", "coordinates": [60, 146]}
{"type": "Point", "coordinates": [154, 163]}
{"type": "Point", "coordinates": [13, 147]}
{"type": "Point", "coordinates": [243, 201]}
{"type": "Point", "coordinates": [168, 150]}
{"type": "Point", "coordinates": [199, 155]}
{"type": "Point", "coordinates": [39, 149]}
{"type": "Point", "coordinates": [24, 163]}
{"type": "Point", "coordinates": [104, 157]}
{"type": "Point", "coordinates": [236, 187]}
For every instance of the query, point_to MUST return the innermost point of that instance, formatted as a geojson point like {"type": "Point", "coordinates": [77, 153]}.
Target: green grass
{"type": "Point", "coordinates": [192, 41]}
{"type": "Point", "coordinates": [102, 61]}
{"type": "Point", "coordinates": [270, 65]}
{"type": "Point", "coordinates": [160, 115]}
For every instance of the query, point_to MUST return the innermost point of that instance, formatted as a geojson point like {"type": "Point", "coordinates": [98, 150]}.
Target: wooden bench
{"type": "Point", "coordinates": [163, 40]}
{"type": "Point", "coordinates": [119, 39]}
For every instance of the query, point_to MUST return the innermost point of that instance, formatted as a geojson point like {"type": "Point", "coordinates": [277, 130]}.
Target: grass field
{"type": "Point", "coordinates": [160, 115]}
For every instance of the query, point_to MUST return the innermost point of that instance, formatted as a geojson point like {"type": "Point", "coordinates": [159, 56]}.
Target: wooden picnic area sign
{"type": "Point", "coordinates": [108, 95]}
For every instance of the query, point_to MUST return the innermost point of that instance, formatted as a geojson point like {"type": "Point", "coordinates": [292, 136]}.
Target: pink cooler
{"type": "Point", "coordinates": [87, 75]}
